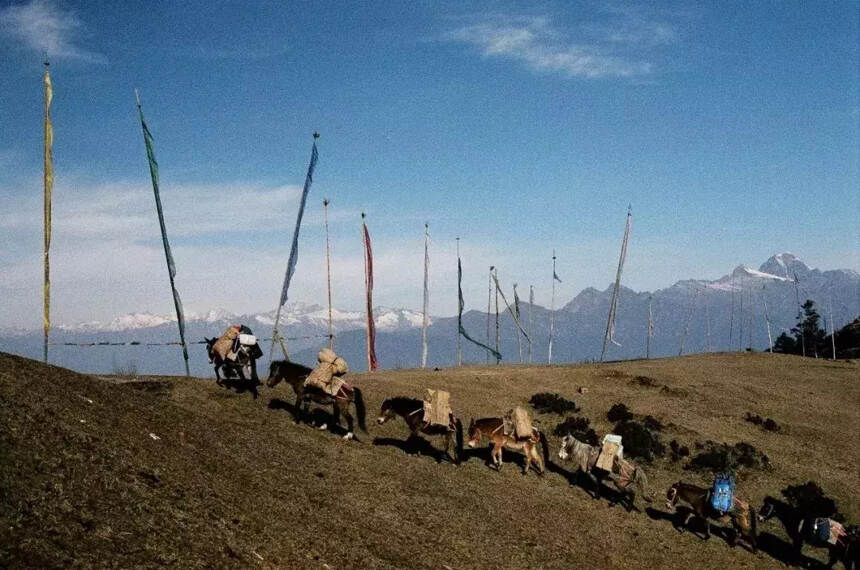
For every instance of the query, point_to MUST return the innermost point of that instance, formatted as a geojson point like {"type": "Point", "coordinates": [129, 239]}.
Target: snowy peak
{"type": "Point", "coordinates": [785, 265]}
{"type": "Point", "coordinates": [125, 322]}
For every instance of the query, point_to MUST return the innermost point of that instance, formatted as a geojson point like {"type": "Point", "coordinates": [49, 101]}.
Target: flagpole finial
{"type": "Point", "coordinates": [316, 135]}
{"type": "Point", "coordinates": [363, 215]}
{"type": "Point", "coordinates": [629, 209]}
{"type": "Point", "coordinates": [325, 202]}
{"type": "Point", "coordinates": [46, 62]}
{"type": "Point", "coordinates": [137, 97]}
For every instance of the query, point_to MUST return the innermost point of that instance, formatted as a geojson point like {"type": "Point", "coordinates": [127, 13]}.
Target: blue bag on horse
{"type": "Point", "coordinates": [821, 530]}
{"type": "Point", "coordinates": [722, 495]}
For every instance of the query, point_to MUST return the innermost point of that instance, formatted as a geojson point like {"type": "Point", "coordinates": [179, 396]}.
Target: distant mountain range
{"type": "Point", "coordinates": [690, 316]}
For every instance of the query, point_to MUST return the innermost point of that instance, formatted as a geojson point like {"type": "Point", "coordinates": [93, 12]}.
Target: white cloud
{"type": "Point", "coordinates": [614, 49]}
{"type": "Point", "coordinates": [43, 26]}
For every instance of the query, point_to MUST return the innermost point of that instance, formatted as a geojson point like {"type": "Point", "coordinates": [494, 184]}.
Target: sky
{"type": "Point", "coordinates": [731, 129]}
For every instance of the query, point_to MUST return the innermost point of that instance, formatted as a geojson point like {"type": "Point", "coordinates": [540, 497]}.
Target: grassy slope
{"type": "Point", "coordinates": [231, 480]}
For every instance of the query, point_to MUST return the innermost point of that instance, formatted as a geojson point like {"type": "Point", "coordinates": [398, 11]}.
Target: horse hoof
{"type": "Point", "coordinates": [349, 436]}
{"type": "Point", "coordinates": [323, 427]}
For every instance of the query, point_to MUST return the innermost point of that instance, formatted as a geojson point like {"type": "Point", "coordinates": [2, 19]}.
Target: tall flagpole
{"type": "Point", "coordinates": [650, 330]}
{"type": "Point", "coordinates": [168, 256]}
{"type": "Point", "coordinates": [425, 322]}
{"type": "Point", "coordinates": [328, 274]}
{"type": "Point", "coordinates": [531, 326]}
{"type": "Point", "coordinates": [498, 333]}
{"type": "Point", "coordinates": [687, 323]}
{"type": "Point", "coordinates": [613, 306]}
{"type": "Point", "coordinates": [294, 252]}
{"type": "Point", "coordinates": [551, 312]}
{"type": "Point", "coordinates": [368, 287]}
{"type": "Point", "coordinates": [767, 319]}
{"type": "Point", "coordinates": [832, 327]}
{"type": "Point", "coordinates": [517, 311]}
{"type": "Point", "coordinates": [459, 341]}
{"type": "Point", "coordinates": [799, 316]}
{"type": "Point", "coordinates": [732, 314]}
{"type": "Point", "coordinates": [489, 307]}
{"type": "Point", "coordinates": [707, 321]}
{"type": "Point", "coordinates": [48, 190]}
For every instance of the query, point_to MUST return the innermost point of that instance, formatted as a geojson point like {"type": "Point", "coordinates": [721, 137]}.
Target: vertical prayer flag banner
{"type": "Point", "coordinates": [426, 321]}
{"type": "Point", "coordinates": [613, 306]}
{"type": "Point", "coordinates": [552, 310]}
{"type": "Point", "coordinates": [294, 248]}
{"type": "Point", "coordinates": [171, 266]}
{"type": "Point", "coordinates": [368, 282]}
{"type": "Point", "coordinates": [48, 191]}
{"type": "Point", "coordinates": [461, 305]}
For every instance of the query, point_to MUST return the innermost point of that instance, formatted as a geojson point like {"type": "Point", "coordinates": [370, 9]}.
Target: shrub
{"type": "Point", "coordinates": [811, 501]}
{"type": "Point", "coordinates": [767, 424]}
{"type": "Point", "coordinates": [753, 419]}
{"type": "Point", "coordinates": [771, 425]}
{"type": "Point", "coordinates": [546, 403]}
{"type": "Point", "coordinates": [619, 413]}
{"type": "Point", "coordinates": [678, 450]}
{"type": "Point", "coordinates": [645, 382]}
{"type": "Point", "coordinates": [652, 423]}
{"type": "Point", "coordinates": [718, 457]}
{"type": "Point", "coordinates": [638, 440]}
{"type": "Point", "coordinates": [577, 427]}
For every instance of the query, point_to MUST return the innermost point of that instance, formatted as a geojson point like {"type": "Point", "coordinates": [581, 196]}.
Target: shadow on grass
{"type": "Point", "coordinates": [696, 525]}
{"type": "Point", "coordinates": [317, 417]}
{"type": "Point", "coordinates": [783, 551]}
{"type": "Point", "coordinates": [241, 386]}
{"type": "Point", "coordinates": [414, 446]}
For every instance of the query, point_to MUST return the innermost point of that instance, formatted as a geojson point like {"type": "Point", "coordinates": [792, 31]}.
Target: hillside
{"type": "Point", "coordinates": [169, 471]}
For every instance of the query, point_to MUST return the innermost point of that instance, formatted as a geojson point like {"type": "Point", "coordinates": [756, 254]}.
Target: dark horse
{"type": "Point", "coordinates": [799, 528]}
{"type": "Point", "coordinates": [411, 410]}
{"type": "Point", "coordinates": [295, 375]}
{"type": "Point", "coordinates": [742, 515]}
{"type": "Point", "coordinates": [493, 429]}
{"type": "Point", "coordinates": [244, 362]}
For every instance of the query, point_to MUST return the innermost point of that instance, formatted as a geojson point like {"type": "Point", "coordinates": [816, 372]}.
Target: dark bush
{"type": "Point", "coordinates": [754, 419]}
{"type": "Point", "coordinates": [619, 413]}
{"type": "Point", "coordinates": [579, 428]}
{"type": "Point", "coordinates": [638, 440]}
{"type": "Point", "coordinates": [645, 382]}
{"type": "Point", "coordinates": [678, 450]}
{"type": "Point", "coordinates": [719, 457]}
{"type": "Point", "coordinates": [652, 423]}
{"type": "Point", "coordinates": [811, 501]}
{"type": "Point", "coordinates": [546, 403]}
{"type": "Point", "coordinates": [771, 425]}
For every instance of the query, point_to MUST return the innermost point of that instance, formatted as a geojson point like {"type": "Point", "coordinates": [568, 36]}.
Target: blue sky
{"type": "Point", "coordinates": [732, 129]}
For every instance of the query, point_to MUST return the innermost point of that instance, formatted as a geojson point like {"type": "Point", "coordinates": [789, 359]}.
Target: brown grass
{"type": "Point", "coordinates": [233, 482]}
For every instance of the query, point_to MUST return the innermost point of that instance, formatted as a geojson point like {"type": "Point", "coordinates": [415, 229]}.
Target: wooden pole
{"type": "Point", "coordinates": [328, 274]}
{"type": "Point", "coordinates": [459, 340]}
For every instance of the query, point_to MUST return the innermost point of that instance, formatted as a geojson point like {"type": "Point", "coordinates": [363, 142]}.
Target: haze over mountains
{"type": "Point", "coordinates": [690, 316]}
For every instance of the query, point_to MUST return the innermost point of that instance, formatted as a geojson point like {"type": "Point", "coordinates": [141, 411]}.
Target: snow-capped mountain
{"type": "Point", "coordinates": [293, 315]}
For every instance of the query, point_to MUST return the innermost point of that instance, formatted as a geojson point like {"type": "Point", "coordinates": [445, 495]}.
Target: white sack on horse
{"type": "Point", "coordinates": [325, 375]}
{"type": "Point", "coordinates": [437, 407]}
{"type": "Point", "coordinates": [223, 347]}
{"type": "Point", "coordinates": [518, 423]}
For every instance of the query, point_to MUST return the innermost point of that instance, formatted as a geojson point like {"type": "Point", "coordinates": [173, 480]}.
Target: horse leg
{"type": "Point", "coordinates": [218, 375]}
{"type": "Point", "coordinates": [497, 456]}
{"type": "Point", "coordinates": [349, 420]}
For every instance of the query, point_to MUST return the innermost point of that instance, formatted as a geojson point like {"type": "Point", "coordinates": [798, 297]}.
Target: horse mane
{"type": "Point", "coordinates": [401, 401]}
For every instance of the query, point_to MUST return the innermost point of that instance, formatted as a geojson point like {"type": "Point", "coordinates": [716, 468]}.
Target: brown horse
{"type": "Point", "coordinates": [411, 410]}
{"type": "Point", "coordinates": [295, 375]}
{"type": "Point", "coordinates": [742, 515]}
{"type": "Point", "coordinates": [493, 429]}
{"type": "Point", "coordinates": [630, 477]}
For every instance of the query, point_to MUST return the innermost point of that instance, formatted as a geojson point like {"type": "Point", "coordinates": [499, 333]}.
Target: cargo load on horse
{"type": "Point", "coordinates": [326, 376]}
{"type": "Point", "coordinates": [518, 424]}
{"type": "Point", "coordinates": [609, 452]}
{"type": "Point", "coordinates": [723, 492]}
{"type": "Point", "coordinates": [826, 531]}
{"type": "Point", "coordinates": [437, 407]}
{"type": "Point", "coordinates": [237, 351]}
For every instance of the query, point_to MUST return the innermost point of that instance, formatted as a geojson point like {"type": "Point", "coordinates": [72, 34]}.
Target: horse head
{"type": "Point", "coordinates": [274, 377]}
{"type": "Point", "coordinates": [386, 412]}
{"type": "Point", "coordinates": [475, 435]}
{"type": "Point", "coordinates": [672, 495]}
{"type": "Point", "coordinates": [768, 509]}
{"type": "Point", "coordinates": [210, 350]}
{"type": "Point", "coordinates": [566, 442]}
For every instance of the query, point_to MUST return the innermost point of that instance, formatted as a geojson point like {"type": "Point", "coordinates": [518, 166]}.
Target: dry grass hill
{"type": "Point", "coordinates": [169, 471]}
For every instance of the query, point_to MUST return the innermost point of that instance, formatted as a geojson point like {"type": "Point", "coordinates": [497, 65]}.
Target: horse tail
{"type": "Point", "coordinates": [754, 525]}
{"type": "Point", "coordinates": [360, 409]}
{"type": "Point", "coordinates": [642, 482]}
{"type": "Point", "coordinates": [544, 444]}
{"type": "Point", "coordinates": [458, 431]}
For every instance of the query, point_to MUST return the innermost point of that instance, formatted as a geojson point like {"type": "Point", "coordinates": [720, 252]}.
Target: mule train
{"type": "Point", "coordinates": [433, 416]}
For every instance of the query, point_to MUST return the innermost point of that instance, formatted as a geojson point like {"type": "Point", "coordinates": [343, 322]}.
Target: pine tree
{"type": "Point", "coordinates": [807, 332]}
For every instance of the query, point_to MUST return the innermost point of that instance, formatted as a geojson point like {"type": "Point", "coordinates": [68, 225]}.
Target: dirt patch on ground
{"type": "Point", "coordinates": [186, 474]}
